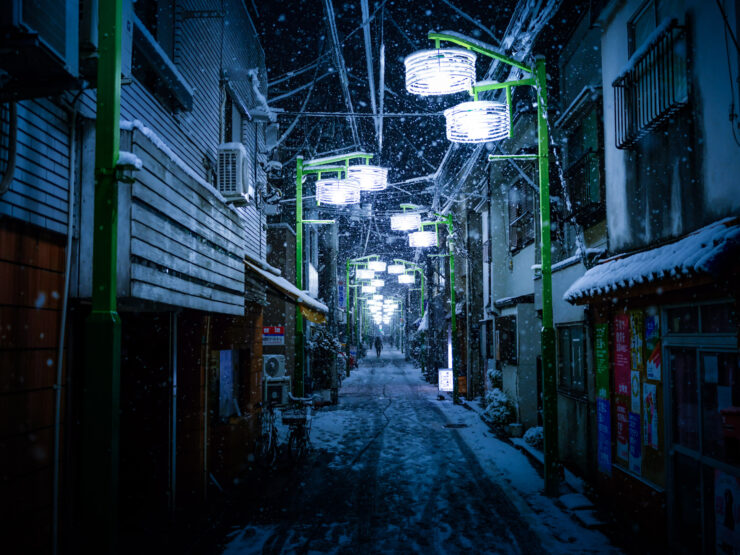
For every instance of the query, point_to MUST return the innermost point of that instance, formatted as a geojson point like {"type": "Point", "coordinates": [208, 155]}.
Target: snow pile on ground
{"type": "Point", "coordinates": [703, 251]}
{"type": "Point", "coordinates": [535, 437]}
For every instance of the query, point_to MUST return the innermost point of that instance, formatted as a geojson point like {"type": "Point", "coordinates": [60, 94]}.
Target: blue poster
{"type": "Point", "coordinates": [635, 444]}
{"type": "Point", "coordinates": [604, 436]}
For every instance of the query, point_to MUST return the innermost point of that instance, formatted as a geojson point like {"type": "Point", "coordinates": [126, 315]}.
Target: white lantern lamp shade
{"type": "Point", "coordinates": [364, 273]}
{"type": "Point", "coordinates": [405, 222]}
{"type": "Point", "coordinates": [407, 279]}
{"type": "Point", "coordinates": [396, 269]}
{"type": "Point", "coordinates": [370, 178]}
{"type": "Point", "coordinates": [377, 265]}
{"type": "Point", "coordinates": [423, 239]}
{"type": "Point", "coordinates": [477, 121]}
{"type": "Point", "coordinates": [368, 289]}
{"type": "Point", "coordinates": [377, 282]}
{"type": "Point", "coordinates": [377, 297]}
{"type": "Point", "coordinates": [440, 71]}
{"type": "Point", "coordinates": [338, 191]}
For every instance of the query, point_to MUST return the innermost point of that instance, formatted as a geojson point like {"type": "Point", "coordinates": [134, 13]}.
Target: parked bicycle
{"type": "Point", "coordinates": [298, 419]}
{"type": "Point", "coordinates": [267, 447]}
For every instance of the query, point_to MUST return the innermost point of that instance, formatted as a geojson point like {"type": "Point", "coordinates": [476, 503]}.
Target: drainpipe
{"type": "Point", "coordinates": [63, 325]}
{"type": "Point", "coordinates": [101, 380]}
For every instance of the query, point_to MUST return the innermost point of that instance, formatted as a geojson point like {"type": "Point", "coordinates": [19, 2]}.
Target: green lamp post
{"type": "Point", "coordinates": [484, 121]}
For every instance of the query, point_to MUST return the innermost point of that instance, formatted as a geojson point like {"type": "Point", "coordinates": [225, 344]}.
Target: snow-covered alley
{"type": "Point", "coordinates": [396, 470]}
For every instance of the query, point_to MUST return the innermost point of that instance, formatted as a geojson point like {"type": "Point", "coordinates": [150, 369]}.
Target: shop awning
{"type": "Point", "coordinates": [709, 252]}
{"type": "Point", "coordinates": [311, 309]}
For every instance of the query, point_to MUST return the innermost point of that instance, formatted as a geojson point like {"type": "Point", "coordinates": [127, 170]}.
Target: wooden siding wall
{"type": "Point", "coordinates": [186, 246]}
{"type": "Point", "coordinates": [31, 283]}
{"type": "Point", "coordinates": [195, 135]}
{"type": "Point", "coordinates": [40, 188]}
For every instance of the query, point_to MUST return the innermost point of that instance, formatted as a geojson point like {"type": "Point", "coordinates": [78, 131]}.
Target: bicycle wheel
{"type": "Point", "coordinates": [297, 447]}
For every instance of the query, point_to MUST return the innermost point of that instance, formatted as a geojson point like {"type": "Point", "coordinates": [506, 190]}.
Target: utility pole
{"type": "Point", "coordinates": [101, 379]}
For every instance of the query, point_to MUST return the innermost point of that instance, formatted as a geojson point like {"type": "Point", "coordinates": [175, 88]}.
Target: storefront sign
{"type": "Point", "coordinates": [445, 379]}
{"type": "Point", "coordinates": [604, 435]}
{"type": "Point", "coordinates": [622, 431]}
{"type": "Point", "coordinates": [650, 414]}
{"type": "Point", "coordinates": [622, 356]}
{"type": "Point", "coordinates": [635, 399]}
{"type": "Point", "coordinates": [637, 329]}
{"type": "Point", "coordinates": [602, 361]}
{"type": "Point", "coordinates": [273, 335]}
{"type": "Point", "coordinates": [635, 462]}
{"type": "Point", "coordinates": [652, 347]}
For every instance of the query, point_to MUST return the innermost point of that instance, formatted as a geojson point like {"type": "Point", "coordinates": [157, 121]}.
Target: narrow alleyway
{"type": "Point", "coordinates": [391, 472]}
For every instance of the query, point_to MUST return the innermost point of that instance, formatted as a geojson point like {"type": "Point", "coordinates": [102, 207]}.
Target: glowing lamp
{"type": "Point", "coordinates": [440, 71]}
{"type": "Point", "coordinates": [364, 273]}
{"type": "Point", "coordinates": [337, 191]}
{"type": "Point", "coordinates": [405, 222]}
{"type": "Point", "coordinates": [396, 269]}
{"type": "Point", "coordinates": [377, 282]}
{"type": "Point", "coordinates": [370, 178]}
{"type": "Point", "coordinates": [368, 289]}
{"type": "Point", "coordinates": [377, 265]}
{"type": "Point", "coordinates": [478, 121]}
{"type": "Point", "coordinates": [406, 279]}
{"type": "Point", "coordinates": [377, 297]}
{"type": "Point", "coordinates": [423, 239]}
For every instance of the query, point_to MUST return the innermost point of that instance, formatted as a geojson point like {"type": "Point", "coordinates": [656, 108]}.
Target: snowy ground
{"type": "Point", "coordinates": [387, 476]}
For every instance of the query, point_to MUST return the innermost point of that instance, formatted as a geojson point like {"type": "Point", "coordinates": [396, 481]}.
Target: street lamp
{"type": "Point", "coordinates": [535, 77]}
{"type": "Point", "coordinates": [369, 178]}
{"type": "Point", "coordinates": [407, 279]}
{"type": "Point", "coordinates": [317, 167]}
{"type": "Point", "coordinates": [406, 220]}
{"type": "Point", "coordinates": [479, 121]}
{"type": "Point", "coordinates": [423, 239]}
{"type": "Point", "coordinates": [439, 71]}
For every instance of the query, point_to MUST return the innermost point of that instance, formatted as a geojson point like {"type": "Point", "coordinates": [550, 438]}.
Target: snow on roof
{"type": "Point", "coordinates": [701, 251]}
{"type": "Point", "coordinates": [291, 290]}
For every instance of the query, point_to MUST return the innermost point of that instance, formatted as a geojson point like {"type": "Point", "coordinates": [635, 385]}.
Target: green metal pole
{"type": "Point", "coordinates": [101, 381]}
{"type": "Point", "coordinates": [549, 383]}
{"type": "Point", "coordinates": [453, 316]}
{"type": "Point", "coordinates": [346, 313]}
{"type": "Point", "coordinates": [299, 354]}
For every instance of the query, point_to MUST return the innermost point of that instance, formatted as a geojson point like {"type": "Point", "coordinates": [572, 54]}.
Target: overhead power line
{"type": "Point", "coordinates": [362, 114]}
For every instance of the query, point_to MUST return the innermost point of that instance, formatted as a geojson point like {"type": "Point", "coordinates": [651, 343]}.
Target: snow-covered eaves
{"type": "Point", "coordinates": [706, 251]}
{"type": "Point", "coordinates": [286, 288]}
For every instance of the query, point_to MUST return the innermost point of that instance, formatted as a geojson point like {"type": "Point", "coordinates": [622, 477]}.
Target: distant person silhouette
{"type": "Point", "coordinates": [378, 345]}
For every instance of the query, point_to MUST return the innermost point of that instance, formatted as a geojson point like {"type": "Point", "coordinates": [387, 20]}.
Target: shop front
{"type": "Point", "coordinates": [668, 387]}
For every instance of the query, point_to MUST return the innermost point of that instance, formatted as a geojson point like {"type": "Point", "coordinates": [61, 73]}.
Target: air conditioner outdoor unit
{"type": "Point", "coordinates": [233, 174]}
{"type": "Point", "coordinates": [276, 390]}
{"type": "Point", "coordinates": [273, 366]}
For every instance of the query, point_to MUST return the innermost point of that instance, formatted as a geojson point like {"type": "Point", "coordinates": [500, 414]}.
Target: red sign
{"type": "Point", "coordinates": [622, 354]}
{"type": "Point", "coordinates": [273, 335]}
{"type": "Point", "coordinates": [273, 330]}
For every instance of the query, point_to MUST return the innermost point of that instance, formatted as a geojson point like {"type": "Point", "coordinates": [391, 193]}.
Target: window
{"type": "Point", "coordinates": [232, 121]}
{"type": "Point", "coordinates": [521, 215]}
{"type": "Point", "coordinates": [572, 357]}
{"type": "Point", "coordinates": [584, 175]}
{"type": "Point", "coordinates": [506, 339]}
{"type": "Point", "coordinates": [151, 64]}
{"type": "Point", "coordinates": [654, 83]}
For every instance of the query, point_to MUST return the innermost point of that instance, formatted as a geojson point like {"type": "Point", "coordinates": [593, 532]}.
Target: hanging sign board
{"type": "Point", "coordinates": [273, 335]}
{"type": "Point", "coordinates": [445, 379]}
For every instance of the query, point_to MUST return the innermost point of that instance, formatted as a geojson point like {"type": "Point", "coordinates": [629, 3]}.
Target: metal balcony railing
{"type": "Point", "coordinates": [652, 87]}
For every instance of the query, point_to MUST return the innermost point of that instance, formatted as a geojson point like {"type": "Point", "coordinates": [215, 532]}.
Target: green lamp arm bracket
{"type": "Point", "coordinates": [476, 47]}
